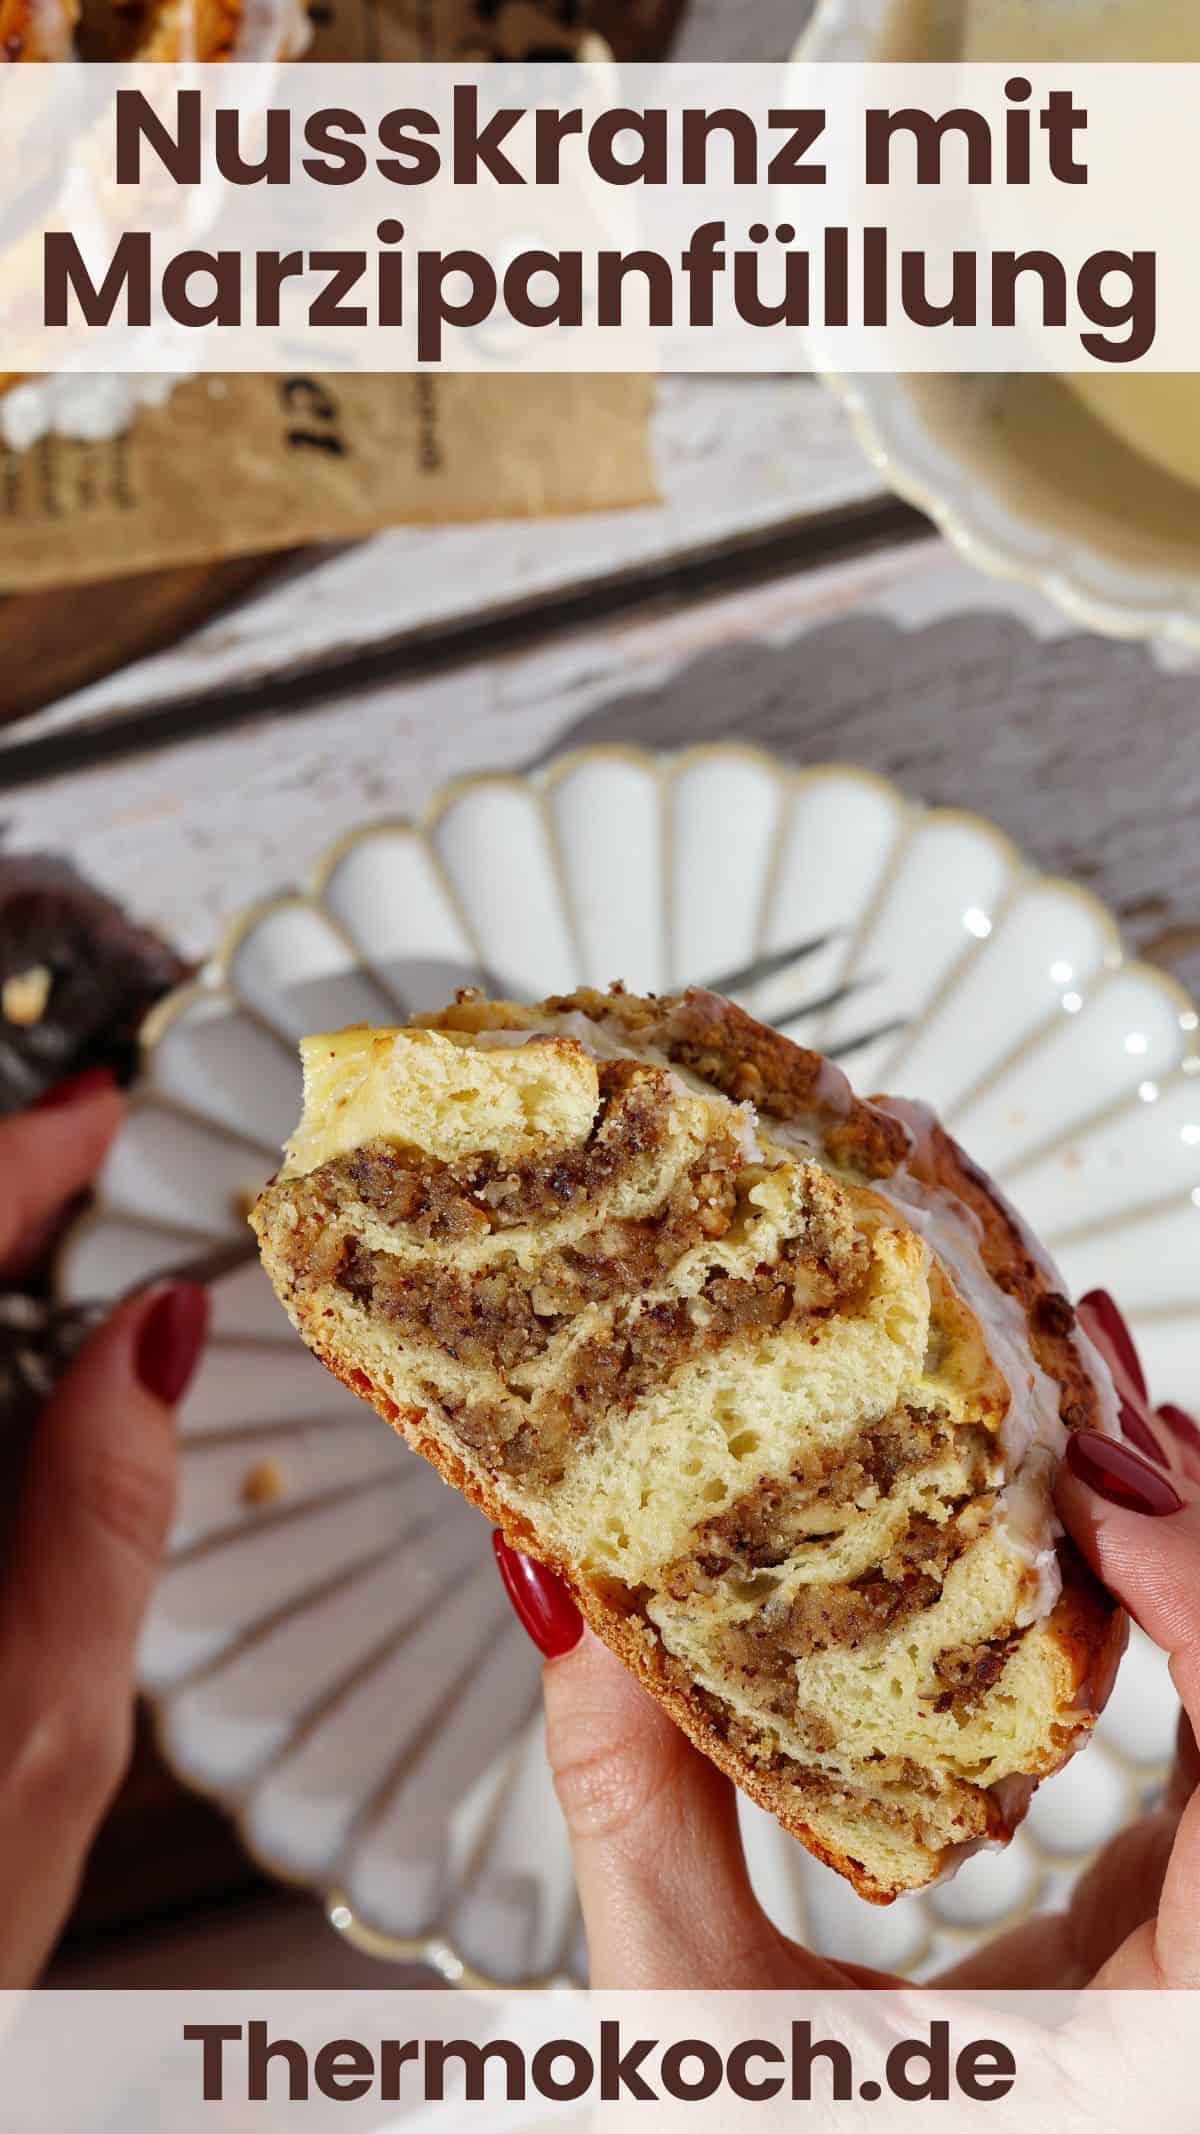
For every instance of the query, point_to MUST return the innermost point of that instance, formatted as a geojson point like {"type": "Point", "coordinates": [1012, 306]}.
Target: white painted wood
{"type": "Point", "coordinates": [1032, 730]}
{"type": "Point", "coordinates": [187, 835]}
{"type": "Point", "coordinates": [733, 455]}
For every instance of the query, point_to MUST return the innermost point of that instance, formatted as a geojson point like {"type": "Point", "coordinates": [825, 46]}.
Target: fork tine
{"type": "Point", "coordinates": [208, 1265]}
{"type": "Point", "coordinates": [822, 1002]}
{"type": "Point", "coordinates": [74, 1318]}
{"type": "Point", "coordinates": [780, 959]}
{"type": "Point", "coordinates": [891, 1028]}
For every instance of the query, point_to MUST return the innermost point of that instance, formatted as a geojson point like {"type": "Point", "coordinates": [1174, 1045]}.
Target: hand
{"type": "Point", "coordinates": [90, 1521]}
{"type": "Point", "coordinates": [653, 1825]}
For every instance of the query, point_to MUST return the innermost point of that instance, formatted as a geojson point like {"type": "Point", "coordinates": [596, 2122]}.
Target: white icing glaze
{"type": "Point", "coordinates": [1012, 1796]}
{"type": "Point", "coordinates": [956, 1235]}
{"type": "Point", "coordinates": [1032, 1532]}
{"type": "Point", "coordinates": [84, 404]}
{"type": "Point", "coordinates": [832, 1090]}
{"type": "Point", "coordinates": [93, 405]}
{"type": "Point", "coordinates": [749, 1143]}
{"type": "Point", "coordinates": [588, 1034]}
{"type": "Point", "coordinates": [1109, 1418]}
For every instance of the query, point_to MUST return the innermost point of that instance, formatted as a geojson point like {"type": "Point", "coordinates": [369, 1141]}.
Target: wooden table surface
{"type": "Point", "coordinates": [776, 593]}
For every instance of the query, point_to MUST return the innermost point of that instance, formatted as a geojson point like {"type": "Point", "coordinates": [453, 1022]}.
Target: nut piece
{"type": "Point", "coordinates": [264, 1483]}
{"type": "Point", "coordinates": [23, 997]}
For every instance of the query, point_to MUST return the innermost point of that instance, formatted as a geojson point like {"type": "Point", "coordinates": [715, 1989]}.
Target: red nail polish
{"type": "Point", "coordinates": [1137, 1429]}
{"type": "Point", "coordinates": [541, 1600]}
{"type": "Point", "coordinates": [74, 1088]}
{"type": "Point", "coordinates": [1107, 1317]}
{"type": "Point", "coordinates": [1120, 1475]}
{"type": "Point", "coordinates": [1180, 1422]}
{"type": "Point", "coordinates": [171, 1338]}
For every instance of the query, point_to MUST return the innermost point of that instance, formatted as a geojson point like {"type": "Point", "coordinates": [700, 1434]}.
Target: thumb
{"type": "Point", "coordinates": [1139, 1526]}
{"type": "Point", "coordinates": [663, 1886]}
{"type": "Point", "coordinates": [91, 1519]}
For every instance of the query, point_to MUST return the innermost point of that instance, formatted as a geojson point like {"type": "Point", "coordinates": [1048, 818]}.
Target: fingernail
{"type": "Point", "coordinates": [542, 1602]}
{"type": "Point", "coordinates": [1120, 1475]}
{"type": "Point", "coordinates": [1179, 1421]}
{"type": "Point", "coordinates": [74, 1088]}
{"type": "Point", "coordinates": [1112, 1325]}
{"type": "Point", "coordinates": [170, 1340]}
{"type": "Point", "coordinates": [1136, 1428]}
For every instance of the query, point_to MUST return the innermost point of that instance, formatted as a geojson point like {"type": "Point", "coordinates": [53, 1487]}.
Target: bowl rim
{"type": "Point", "coordinates": [1113, 599]}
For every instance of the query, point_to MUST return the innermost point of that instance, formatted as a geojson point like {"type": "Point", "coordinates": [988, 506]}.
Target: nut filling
{"type": "Point", "coordinates": [431, 1200]}
{"type": "Point", "coordinates": [779, 1391]}
{"type": "Point", "coordinates": [511, 1322]}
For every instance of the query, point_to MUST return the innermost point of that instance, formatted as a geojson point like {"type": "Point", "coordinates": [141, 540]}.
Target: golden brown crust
{"type": "Point", "coordinates": [744, 1060]}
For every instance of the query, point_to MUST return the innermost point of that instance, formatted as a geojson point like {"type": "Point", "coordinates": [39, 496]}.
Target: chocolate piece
{"type": "Point", "coordinates": [100, 972]}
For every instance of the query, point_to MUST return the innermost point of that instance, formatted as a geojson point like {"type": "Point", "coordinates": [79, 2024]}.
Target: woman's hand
{"type": "Point", "coordinates": [663, 1884]}
{"type": "Point", "coordinates": [85, 1538]}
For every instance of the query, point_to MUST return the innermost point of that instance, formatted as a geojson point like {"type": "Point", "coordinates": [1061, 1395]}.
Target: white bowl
{"type": "Point", "coordinates": [1020, 478]}
{"type": "Point", "coordinates": [337, 1665]}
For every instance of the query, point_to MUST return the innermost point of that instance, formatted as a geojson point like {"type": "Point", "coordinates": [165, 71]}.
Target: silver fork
{"type": "Point", "coordinates": [45, 1335]}
{"type": "Point", "coordinates": [748, 975]}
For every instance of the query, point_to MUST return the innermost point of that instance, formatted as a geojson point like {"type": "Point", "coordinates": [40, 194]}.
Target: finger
{"type": "Point", "coordinates": [1116, 1895]}
{"type": "Point", "coordinates": [1101, 1320]}
{"type": "Point", "coordinates": [1035, 1957]}
{"type": "Point", "coordinates": [1140, 1530]}
{"type": "Point", "coordinates": [91, 1521]}
{"type": "Point", "coordinates": [1108, 1328]}
{"type": "Point", "coordinates": [51, 1153]}
{"type": "Point", "coordinates": [1106, 1324]}
{"type": "Point", "coordinates": [1185, 1771]}
{"type": "Point", "coordinates": [654, 1834]}
{"type": "Point", "coordinates": [1063, 1951]}
{"type": "Point", "coordinates": [1185, 1435]}
{"type": "Point", "coordinates": [1141, 1534]}
{"type": "Point", "coordinates": [653, 1826]}
{"type": "Point", "coordinates": [1116, 1898]}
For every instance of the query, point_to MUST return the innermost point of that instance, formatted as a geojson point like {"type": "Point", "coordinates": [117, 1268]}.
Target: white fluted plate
{"type": "Point", "coordinates": [329, 1654]}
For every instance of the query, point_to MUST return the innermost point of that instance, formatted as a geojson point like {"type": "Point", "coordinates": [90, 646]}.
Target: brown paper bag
{"type": "Point", "coordinates": [237, 464]}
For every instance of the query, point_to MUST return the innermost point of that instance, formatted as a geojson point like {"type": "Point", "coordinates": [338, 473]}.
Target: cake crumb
{"type": "Point", "coordinates": [264, 1483]}
{"type": "Point", "coordinates": [24, 996]}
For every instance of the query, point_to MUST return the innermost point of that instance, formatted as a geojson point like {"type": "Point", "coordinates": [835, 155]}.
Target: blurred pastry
{"type": "Point", "coordinates": [84, 404]}
{"type": "Point", "coordinates": [769, 1375]}
{"type": "Point", "coordinates": [37, 29]}
{"type": "Point", "coordinates": [201, 30]}
{"type": "Point", "coordinates": [91, 405]}
{"type": "Point", "coordinates": [77, 977]}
